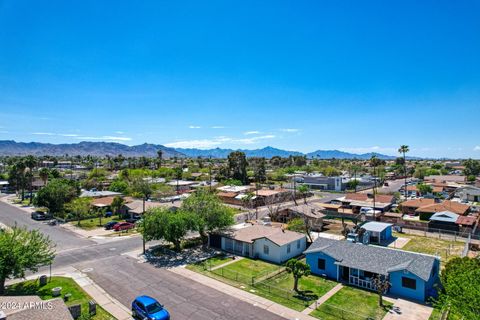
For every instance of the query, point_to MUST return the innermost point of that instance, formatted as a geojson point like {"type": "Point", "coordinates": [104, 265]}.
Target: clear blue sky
{"type": "Point", "coordinates": [301, 75]}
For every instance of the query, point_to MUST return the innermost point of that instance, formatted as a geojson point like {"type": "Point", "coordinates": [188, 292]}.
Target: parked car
{"type": "Point", "coordinates": [134, 218]}
{"type": "Point", "coordinates": [123, 226]}
{"type": "Point", "coordinates": [37, 215]}
{"type": "Point", "coordinates": [110, 225]}
{"type": "Point", "coordinates": [147, 308]}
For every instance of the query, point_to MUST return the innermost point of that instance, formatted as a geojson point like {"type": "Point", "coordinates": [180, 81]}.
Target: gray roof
{"type": "Point", "coordinates": [376, 226]}
{"type": "Point", "coordinates": [445, 216]}
{"type": "Point", "coordinates": [97, 194]}
{"type": "Point", "coordinates": [374, 259]}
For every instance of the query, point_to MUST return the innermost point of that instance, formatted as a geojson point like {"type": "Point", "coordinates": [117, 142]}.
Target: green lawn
{"type": "Point", "coordinates": [89, 224]}
{"type": "Point", "coordinates": [351, 304]}
{"type": "Point", "coordinates": [444, 248]}
{"type": "Point", "coordinates": [251, 267]}
{"type": "Point", "coordinates": [79, 296]}
{"type": "Point", "coordinates": [209, 263]}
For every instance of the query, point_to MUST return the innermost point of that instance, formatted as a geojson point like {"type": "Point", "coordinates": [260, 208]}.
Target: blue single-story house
{"type": "Point", "coordinates": [411, 275]}
{"type": "Point", "coordinates": [379, 232]}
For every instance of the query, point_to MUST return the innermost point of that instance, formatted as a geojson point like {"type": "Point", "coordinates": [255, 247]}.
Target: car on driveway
{"type": "Point", "coordinates": [110, 225]}
{"type": "Point", "coordinates": [123, 226]}
{"type": "Point", "coordinates": [147, 308]}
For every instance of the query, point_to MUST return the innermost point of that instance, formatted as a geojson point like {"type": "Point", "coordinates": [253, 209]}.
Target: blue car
{"type": "Point", "coordinates": [147, 308]}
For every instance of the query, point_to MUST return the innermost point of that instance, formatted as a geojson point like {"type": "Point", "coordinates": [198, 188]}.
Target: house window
{"type": "Point", "coordinates": [409, 283]}
{"type": "Point", "coordinates": [298, 244]}
{"type": "Point", "coordinates": [288, 248]}
{"type": "Point", "coordinates": [321, 264]}
{"type": "Point", "coordinates": [266, 249]}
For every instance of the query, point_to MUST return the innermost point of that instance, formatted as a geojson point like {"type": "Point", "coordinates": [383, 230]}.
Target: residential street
{"type": "Point", "coordinates": [124, 277]}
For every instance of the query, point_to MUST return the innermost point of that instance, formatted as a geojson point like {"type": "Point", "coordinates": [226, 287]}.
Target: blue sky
{"type": "Point", "coordinates": [299, 75]}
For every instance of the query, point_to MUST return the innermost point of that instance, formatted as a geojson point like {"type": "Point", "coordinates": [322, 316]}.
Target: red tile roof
{"type": "Point", "coordinates": [466, 221]}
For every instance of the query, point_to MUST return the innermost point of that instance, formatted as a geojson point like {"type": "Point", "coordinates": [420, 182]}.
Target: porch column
{"type": "Point", "coordinates": [338, 272]}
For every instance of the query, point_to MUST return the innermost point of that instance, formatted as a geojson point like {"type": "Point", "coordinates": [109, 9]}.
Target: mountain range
{"type": "Point", "coordinates": [11, 148]}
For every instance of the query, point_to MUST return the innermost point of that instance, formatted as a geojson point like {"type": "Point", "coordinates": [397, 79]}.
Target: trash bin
{"type": "Point", "coordinates": [92, 308]}
{"type": "Point", "coordinates": [43, 280]}
{"type": "Point", "coordinates": [56, 292]}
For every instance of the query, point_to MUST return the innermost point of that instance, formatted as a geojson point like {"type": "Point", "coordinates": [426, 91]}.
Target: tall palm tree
{"type": "Point", "coordinates": [374, 162]}
{"type": "Point", "coordinates": [159, 156]}
{"type": "Point", "coordinates": [404, 149]}
{"type": "Point", "coordinates": [30, 163]}
{"type": "Point", "coordinates": [43, 173]}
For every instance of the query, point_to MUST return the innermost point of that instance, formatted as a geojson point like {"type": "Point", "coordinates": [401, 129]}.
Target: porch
{"type": "Point", "coordinates": [356, 277]}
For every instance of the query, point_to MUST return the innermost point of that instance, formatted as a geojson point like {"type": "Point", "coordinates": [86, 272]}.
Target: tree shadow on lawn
{"type": "Point", "coordinates": [162, 257]}
{"type": "Point", "coordinates": [306, 295]}
{"type": "Point", "coordinates": [26, 288]}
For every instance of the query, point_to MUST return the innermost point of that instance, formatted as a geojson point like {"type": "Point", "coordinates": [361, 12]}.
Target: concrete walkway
{"type": "Point", "coordinates": [248, 297]}
{"type": "Point", "coordinates": [237, 258]}
{"type": "Point", "coordinates": [322, 299]}
{"type": "Point", "coordinates": [103, 299]}
{"type": "Point", "coordinates": [407, 310]}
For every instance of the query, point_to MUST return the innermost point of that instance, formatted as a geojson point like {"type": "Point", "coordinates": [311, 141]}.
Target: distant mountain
{"type": "Point", "coordinates": [266, 152]}
{"type": "Point", "coordinates": [11, 148]}
{"type": "Point", "coordinates": [330, 154]}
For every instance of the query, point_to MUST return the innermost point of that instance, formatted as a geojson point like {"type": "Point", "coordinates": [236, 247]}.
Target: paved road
{"type": "Point", "coordinates": [64, 239]}
{"type": "Point", "coordinates": [125, 278]}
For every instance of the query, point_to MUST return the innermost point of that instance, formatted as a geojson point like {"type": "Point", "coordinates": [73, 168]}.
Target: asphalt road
{"type": "Point", "coordinates": [125, 278]}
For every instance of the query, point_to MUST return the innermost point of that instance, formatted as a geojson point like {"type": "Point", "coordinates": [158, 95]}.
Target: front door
{"type": "Point", "coordinates": [345, 273]}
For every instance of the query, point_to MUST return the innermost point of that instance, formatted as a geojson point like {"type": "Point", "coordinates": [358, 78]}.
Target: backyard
{"type": "Point", "coordinates": [351, 304]}
{"type": "Point", "coordinates": [78, 296]}
{"type": "Point", "coordinates": [444, 248]}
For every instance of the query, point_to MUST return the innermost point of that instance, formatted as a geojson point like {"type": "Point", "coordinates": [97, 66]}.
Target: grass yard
{"type": "Point", "coordinates": [351, 304]}
{"type": "Point", "coordinates": [209, 263]}
{"type": "Point", "coordinates": [79, 296]}
{"type": "Point", "coordinates": [250, 267]}
{"type": "Point", "coordinates": [89, 224]}
{"type": "Point", "coordinates": [444, 248]}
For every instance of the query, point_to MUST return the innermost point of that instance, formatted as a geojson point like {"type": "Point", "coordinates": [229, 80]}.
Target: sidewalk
{"type": "Point", "coordinates": [103, 299]}
{"type": "Point", "coordinates": [245, 296]}
{"type": "Point", "coordinates": [322, 299]}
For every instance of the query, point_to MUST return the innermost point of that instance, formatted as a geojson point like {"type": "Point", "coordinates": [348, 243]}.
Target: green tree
{"type": "Point", "coordinates": [298, 269]}
{"type": "Point", "coordinates": [237, 166]}
{"type": "Point", "coordinates": [404, 150]}
{"type": "Point", "coordinates": [304, 191]}
{"type": "Point", "coordinates": [472, 167]}
{"type": "Point", "coordinates": [164, 224]}
{"type": "Point", "coordinates": [30, 163]}
{"type": "Point", "coordinates": [424, 188]}
{"type": "Point", "coordinates": [460, 293]}
{"type": "Point", "coordinates": [159, 158]}
{"type": "Point", "coordinates": [119, 185]}
{"type": "Point", "coordinates": [22, 250]}
{"type": "Point", "coordinates": [209, 212]}
{"type": "Point", "coordinates": [145, 190]}
{"type": "Point", "coordinates": [44, 173]}
{"type": "Point", "coordinates": [116, 205]}
{"type": "Point", "coordinates": [259, 170]}
{"type": "Point", "coordinates": [56, 194]}
{"type": "Point", "coordinates": [80, 207]}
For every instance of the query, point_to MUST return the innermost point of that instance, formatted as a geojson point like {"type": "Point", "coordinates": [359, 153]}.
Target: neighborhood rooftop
{"type": "Point", "coordinates": [277, 235]}
{"type": "Point", "coordinates": [374, 259]}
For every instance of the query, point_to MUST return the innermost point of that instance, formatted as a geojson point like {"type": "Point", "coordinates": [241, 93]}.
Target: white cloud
{"type": "Point", "coordinates": [43, 133]}
{"type": "Point", "coordinates": [215, 142]}
{"type": "Point", "coordinates": [68, 134]}
{"type": "Point", "coordinates": [289, 130]}
{"type": "Point", "coordinates": [251, 132]}
{"type": "Point", "coordinates": [194, 127]}
{"type": "Point", "coordinates": [218, 127]}
{"type": "Point", "coordinates": [477, 148]}
{"type": "Point", "coordinates": [104, 138]}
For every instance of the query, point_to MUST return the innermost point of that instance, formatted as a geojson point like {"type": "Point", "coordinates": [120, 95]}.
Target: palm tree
{"type": "Point", "coordinates": [303, 189]}
{"type": "Point", "coordinates": [374, 162]}
{"type": "Point", "coordinates": [159, 155]}
{"type": "Point", "coordinates": [20, 174]}
{"type": "Point", "coordinates": [43, 173]}
{"type": "Point", "coordinates": [404, 149]}
{"type": "Point", "coordinates": [30, 163]}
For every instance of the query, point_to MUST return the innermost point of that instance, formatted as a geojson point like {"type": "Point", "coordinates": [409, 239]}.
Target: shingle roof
{"type": "Point", "coordinates": [276, 235]}
{"type": "Point", "coordinates": [447, 205]}
{"type": "Point", "coordinates": [381, 198]}
{"type": "Point", "coordinates": [52, 309]}
{"type": "Point", "coordinates": [417, 203]}
{"type": "Point", "coordinates": [374, 259]}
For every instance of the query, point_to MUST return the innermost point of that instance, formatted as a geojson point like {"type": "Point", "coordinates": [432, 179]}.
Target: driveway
{"type": "Point", "coordinates": [407, 310]}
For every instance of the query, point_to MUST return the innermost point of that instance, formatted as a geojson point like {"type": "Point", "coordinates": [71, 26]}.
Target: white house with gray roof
{"type": "Point", "coordinates": [411, 275]}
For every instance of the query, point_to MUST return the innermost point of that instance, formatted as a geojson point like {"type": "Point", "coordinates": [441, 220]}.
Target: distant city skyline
{"type": "Point", "coordinates": [301, 76]}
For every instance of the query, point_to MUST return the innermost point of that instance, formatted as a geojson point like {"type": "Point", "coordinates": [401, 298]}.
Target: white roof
{"type": "Point", "coordinates": [96, 194]}
{"type": "Point", "coordinates": [376, 226]}
{"type": "Point", "coordinates": [181, 183]}
{"type": "Point", "coordinates": [234, 188]}
{"type": "Point", "coordinates": [3, 183]}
